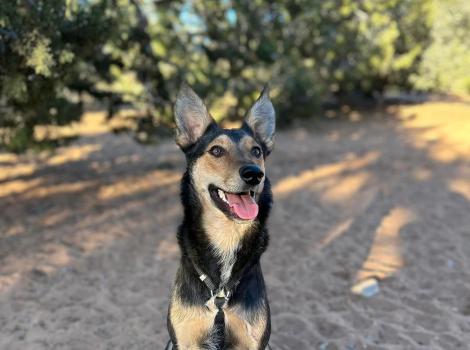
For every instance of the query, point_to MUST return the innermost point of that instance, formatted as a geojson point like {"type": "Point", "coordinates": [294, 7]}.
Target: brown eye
{"type": "Point", "coordinates": [256, 151]}
{"type": "Point", "coordinates": [217, 151]}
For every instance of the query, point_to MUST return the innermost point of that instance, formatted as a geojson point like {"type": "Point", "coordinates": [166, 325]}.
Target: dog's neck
{"type": "Point", "coordinates": [225, 236]}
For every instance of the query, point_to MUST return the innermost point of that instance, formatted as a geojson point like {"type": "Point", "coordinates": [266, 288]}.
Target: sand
{"type": "Point", "coordinates": [88, 251]}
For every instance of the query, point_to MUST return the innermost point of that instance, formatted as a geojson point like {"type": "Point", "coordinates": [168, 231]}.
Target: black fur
{"type": "Point", "coordinates": [250, 293]}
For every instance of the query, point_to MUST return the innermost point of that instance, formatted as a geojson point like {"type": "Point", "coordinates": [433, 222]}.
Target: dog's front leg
{"type": "Point", "coordinates": [247, 331]}
{"type": "Point", "coordinates": [191, 324]}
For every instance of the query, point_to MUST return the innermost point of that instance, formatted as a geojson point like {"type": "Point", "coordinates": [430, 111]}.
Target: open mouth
{"type": "Point", "coordinates": [236, 205]}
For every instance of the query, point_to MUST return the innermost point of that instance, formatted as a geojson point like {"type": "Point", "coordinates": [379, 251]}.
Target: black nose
{"type": "Point", "coordinates": [251, 174]}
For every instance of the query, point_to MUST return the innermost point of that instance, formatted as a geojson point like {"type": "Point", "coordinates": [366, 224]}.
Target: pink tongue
{"type": "Point", "coordinates": [243, 205]}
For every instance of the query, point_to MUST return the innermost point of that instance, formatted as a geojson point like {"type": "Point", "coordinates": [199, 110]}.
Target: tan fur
{"type": "Point", "coordinates": [192, 324]}
{"type": "Point", "coordinates": [223, 171]}
{"type": "Point", "coordinates": [225, 236]}
{"type": "Point", "coordinates": [248, 335]}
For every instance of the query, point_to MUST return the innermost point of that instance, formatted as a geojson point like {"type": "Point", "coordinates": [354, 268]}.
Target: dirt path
{"type": "Point", "coordinates": [87, 247]}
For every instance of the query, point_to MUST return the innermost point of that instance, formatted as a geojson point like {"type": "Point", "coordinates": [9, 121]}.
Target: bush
{"type": "Point", "coordinates": [53, 53]}
{"type": "Point", "coordinates": [308, 50]}
{"type": "Point", "coordinates": [446, 62]}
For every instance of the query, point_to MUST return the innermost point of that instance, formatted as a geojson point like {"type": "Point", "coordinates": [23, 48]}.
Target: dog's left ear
{"type": "Point", "coordinates": [191, 117]}
{"type": "Point", "coordinates": [262, 120]}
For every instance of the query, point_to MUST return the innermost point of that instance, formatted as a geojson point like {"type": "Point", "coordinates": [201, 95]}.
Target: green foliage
{"type": "Point", "coordinates": [54, 53]}
{"type": "Point", "coordinates": [38, 45]}
{"type": "Point", "coordinates": [307, 50]}
{"type": "Point", "coordinates": [446, 62]}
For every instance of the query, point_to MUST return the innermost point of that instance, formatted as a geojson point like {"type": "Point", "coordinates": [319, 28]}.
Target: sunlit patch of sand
{"type": "Point", "coordinates": [345, 187]}
{"type": "Point", "coordinates": [8, 158]}
{"type": "Point", "coordinates": [440, 128]}
{"type": "Point", "coordinates": [12, 171]}
{"type": "Point", "coordinates": [49, 258]}
{"type": "Point", "coordinates": [422, 174]}
{"type": "Point", "coordinates": [362, 201]}
{"type": "Point", "coordinates": [57, 254]}
{"type": "Point", "coordinates": [337, 231]}
{"type": "Point", "coordinates": [55, 218]}
{"type": "Point", "coordinates": [92, 123]}
{"type": "Point", "coordinates": [461, 186]}
{"type": "Point", "coordinates": [13, 230]}
{"type": "Point", "coordinates": [56, 189]}
{"type": "Point", "coordinates": [6, 281]}
{"type": "Point", "coordinates": [89, 243]}
{"type": "Point", "coordinates": [15, 170]}
{"type": "Point", "coordinates": [87, 237]}
{"type": "Point", "coordinates": [152, 180]}
{"type": "Point", "coordinates": [9, 173]}
{"type": "Point", "coordinates": [52, 257]}
{"type": "Point", "coordinates": [307, 177]}
{"type": "Point", "coordinates": [38, 177]}
{"type": "Point", "coordinates": [18, 186]}
{"type": "Point", "coordinates": [385, 255]}
{"type": "Point", "coordinates": [73, 154]}
{"type": "Point", "coordinates": [167, 249]}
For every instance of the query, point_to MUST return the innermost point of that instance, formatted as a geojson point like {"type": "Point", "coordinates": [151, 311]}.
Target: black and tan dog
{"type": "Point", "coordinates": [219, 298]}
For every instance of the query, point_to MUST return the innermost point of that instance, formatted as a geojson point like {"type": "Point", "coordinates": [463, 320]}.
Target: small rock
{"type": "Point", "coordinates": [450, 263]}
{"type": "Point", "coordinates": [366, 288]}
{"type": "Point", "coordinates": [328, 346]}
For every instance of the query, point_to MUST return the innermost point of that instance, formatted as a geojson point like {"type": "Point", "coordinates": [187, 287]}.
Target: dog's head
{"type": "Point", "coordinates": [226, 166]}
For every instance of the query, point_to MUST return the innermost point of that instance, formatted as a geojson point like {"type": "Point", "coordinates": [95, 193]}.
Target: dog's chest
{"type": "Point", "coordinates": [193, 326]}
{"type": "Point", "coordinates": [225, 238]}
{"type": "Point", "coordinates": [227, 260]}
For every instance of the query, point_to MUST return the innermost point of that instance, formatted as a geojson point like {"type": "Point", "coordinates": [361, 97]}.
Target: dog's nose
{"type": "Point", "coordinates": [251, 174]}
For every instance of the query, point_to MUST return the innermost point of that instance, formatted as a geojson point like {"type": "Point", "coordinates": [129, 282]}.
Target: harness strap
{"type": "Point", "coordinates": [204, 278]}
{"type": "Point", "coordinates": [221, 296]}
{"type": "Point", "coordinates": [219, 323]}
{"type": "Point", "coordinates": [226, 288]}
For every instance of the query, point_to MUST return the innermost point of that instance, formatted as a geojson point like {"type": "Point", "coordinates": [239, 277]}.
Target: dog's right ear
{"type": "Point", "coordinates": [191, 117]}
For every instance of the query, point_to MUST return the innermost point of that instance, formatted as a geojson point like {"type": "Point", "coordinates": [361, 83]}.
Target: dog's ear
{"type": "Point", "coordinates": [262, 120]}
{"type": "Point", "coordinates": [191, 117]}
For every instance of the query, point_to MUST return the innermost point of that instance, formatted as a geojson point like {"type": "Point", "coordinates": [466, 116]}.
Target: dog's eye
{"type": "Point", "coordinates": [256, 151]}
{"type": "Point", "coordinates": [217, 151]}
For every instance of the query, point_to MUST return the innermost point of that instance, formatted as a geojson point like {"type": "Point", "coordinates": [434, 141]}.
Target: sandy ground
{"type": "Point", "coordinates": [88, 253]}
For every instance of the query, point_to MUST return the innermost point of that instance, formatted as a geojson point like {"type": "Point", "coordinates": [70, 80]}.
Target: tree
{"type": "Point", "coordinates": [446, 62]}
{"type": "Point", "coordinates": [308, 49]}
{"type": "Point", "coordinates": [53, 53]}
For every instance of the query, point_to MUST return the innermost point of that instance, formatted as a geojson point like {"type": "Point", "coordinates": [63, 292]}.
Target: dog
{"type": "Point", "coordinates": [219, 299]}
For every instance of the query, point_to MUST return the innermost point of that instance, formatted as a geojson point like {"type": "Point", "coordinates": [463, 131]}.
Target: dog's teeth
{"type": "Point", "coordinates": [222, 195]}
